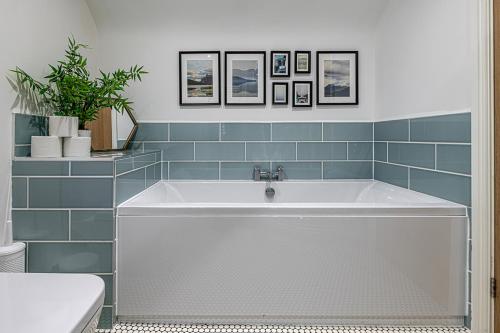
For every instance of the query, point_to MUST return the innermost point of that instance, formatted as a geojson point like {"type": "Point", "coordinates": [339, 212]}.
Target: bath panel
{"type": "Point", "coordinates": [360, 256]}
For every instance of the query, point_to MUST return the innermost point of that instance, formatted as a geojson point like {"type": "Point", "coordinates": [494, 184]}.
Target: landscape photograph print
{"type": "Point", "coordinates": [337, 78]}
{"type": "Point", "coordinates": [302, 62]}
{"type": "Point", "coordinates": [302, 93]}
{"type": "Point", "coordinates": [337, 75]}
{"type": "Point", "coordinates": [280, 93]}
{"type": "Point", "coordinates": [199, 77]}
{"type": "Point", "coordinates": [244, 75]}
{"type": "Point", "coordinates": [280, 63]}
{"type": "Point", "coordinates": [245, 78]}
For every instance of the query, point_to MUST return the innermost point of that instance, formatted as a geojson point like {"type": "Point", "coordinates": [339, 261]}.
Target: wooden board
{"type": "Point", "coordinates": [102, 130]}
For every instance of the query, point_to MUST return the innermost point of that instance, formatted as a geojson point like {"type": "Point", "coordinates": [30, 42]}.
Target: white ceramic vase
{"type": "Point", "coordinates": [46, 146]}
{"type": "Point", "coordinates": [63, 127]}
{"type": "Point", "coordinates": [85, 133]}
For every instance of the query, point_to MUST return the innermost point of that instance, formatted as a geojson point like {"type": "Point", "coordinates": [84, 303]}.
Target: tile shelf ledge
{"type": "Point", "coordinates": [111, 156]}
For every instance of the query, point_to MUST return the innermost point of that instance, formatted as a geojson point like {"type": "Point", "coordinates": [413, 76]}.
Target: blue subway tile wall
{"type": "Point", "coordinates": [435, 159]}
{"type": "Point", "coordinates": [431, 155]}
{"type": "Point", "coordinates": [26, 126]}
{"type": "Point", "coordinates": [230, 151]}
{"type": "Point", "coordinates": [135, 174]}
{"type": "Point", "coordinates": [64, 211]}
{"type": "Point", "coordinates": [58, 222]}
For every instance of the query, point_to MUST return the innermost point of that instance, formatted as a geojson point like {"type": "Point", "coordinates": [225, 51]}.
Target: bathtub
{"type": "Point", "coordinates": [339, 252]}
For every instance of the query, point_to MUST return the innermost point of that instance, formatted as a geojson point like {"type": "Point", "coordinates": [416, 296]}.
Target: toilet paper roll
{"type": "Point", "coordinates": [46, 146]}
{"type": "Point", "coordinates": [77, 147]}
{"type": "Point", "coordinates": [63, 126]}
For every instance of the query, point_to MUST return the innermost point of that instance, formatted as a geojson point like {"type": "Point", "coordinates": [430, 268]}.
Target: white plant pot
{"type": "Point", "coordinates": [46, 146]}
{"type": "Point", "coordinates": [63, 127]}
{"type": "Point", "coordinates": [85, 133]}
{"type": "Point", "coordinates": [77, 147]}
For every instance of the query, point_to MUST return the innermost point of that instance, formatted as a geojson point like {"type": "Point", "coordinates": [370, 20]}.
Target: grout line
{"type": "Point", "coordinates": [373, 150]}
{"type": "Point", "coordinates": [409, 129]}
{"type": "Point", "coordinates": [427, 142]}
{"type": "Point", "coordinates": [68, 242]}
{"type": "Point", "coordinates": [426, 169]}
{"type": "Point", "coordinates": [409, 179]}
{"type": "Point", "coordinates": [274, 160]}
{"type": "Point", "coordinates": [27, 192]}
{"type": "Point", "coordinates": [132, 170]}
{"type": "Point", "coordinates": [63, 177]}
{"type": "Point", "coordinates": [280, 141]}
{"type": "Point", "coordinates": [70, 217]}
{"type": "Point", "coordinates": [27, 256]}
{"type": "Point", "coordinates": [61, 209]}
{"type": "Point", "coordinates": [435, 157]}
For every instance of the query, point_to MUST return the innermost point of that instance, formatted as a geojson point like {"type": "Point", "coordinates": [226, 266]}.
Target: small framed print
{"type": "Point", "coordinates": [280, 93]}
{"type": "Point", "coordinates": [337, 78]}
{"type": "Point", "coordinates": [302, 62]}
{"type": "Point", "coordinates": [199, 78]}
{"type": "Point", "coordinates": [302, 93]}
{"type": "Point", "coordinates": [280, 63]}
{"type": "Point", "coordinates": [245, 78]}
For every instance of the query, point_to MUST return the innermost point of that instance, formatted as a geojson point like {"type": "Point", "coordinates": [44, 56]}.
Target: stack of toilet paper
{"type": "Point", "coordinates": [63, 140]}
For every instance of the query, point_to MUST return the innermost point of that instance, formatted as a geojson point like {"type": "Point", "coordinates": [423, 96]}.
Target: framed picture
{"type": "Point", "coordinates": [280, 63]}
{"type": "Point", "coordinates": [302, 62]}
{"type": "Point", "coordinates": [245, 78]}
{"type": "Point", "coordinates": [302, 93]}
{"type": "Point", "coordinates": [337, 77]}
{"type": "Point", "coordinates": [199, 78]}
{"type": "Point", "coordinates": [280, 93]}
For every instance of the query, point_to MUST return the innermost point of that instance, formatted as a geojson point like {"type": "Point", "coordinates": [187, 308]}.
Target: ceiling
{"type": "Point", "coordinates": [310, 14]}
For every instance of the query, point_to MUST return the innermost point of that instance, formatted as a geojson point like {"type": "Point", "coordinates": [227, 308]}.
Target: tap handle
{"type": "Point", "coordinates": [280, 173]}
{"type": "Point", "coordinates": [256, 173]}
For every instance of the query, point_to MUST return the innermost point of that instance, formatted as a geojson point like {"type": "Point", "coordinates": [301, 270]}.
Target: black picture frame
{"type": "Point", "coordinates": [264, 77]}
{"type": "Point", "coordinates": [285, 84]}
{"type": "Point", "coordinates": [296, 67]}
{"type": "Point", "coordinates": [356, 77]}
{"type": "Point", "coordinates": [294, 103]}
{"type": "Point", "coordinates": [287, 74]}
{"type": "Point", "coordinates": [182, 101]}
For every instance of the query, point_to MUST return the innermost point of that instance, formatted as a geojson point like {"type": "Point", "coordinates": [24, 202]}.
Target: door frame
{"type": "Point", "coordinates": [482, 165]}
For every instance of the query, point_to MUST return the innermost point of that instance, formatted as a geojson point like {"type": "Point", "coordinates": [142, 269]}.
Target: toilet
{"type": "Point", "coordinates": [49, 303]}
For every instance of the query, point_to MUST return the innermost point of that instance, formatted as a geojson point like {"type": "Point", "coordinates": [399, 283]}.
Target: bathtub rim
{"type": "Point", "coordinates": [440, 208]}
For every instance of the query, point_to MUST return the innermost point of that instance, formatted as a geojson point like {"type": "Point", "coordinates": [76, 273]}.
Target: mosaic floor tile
{"type": "Point", "coordinates": [179, 328]}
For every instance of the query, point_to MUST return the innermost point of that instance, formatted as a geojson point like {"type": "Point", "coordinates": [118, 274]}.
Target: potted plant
{"type": "Point", "coordinates": [75, 98]}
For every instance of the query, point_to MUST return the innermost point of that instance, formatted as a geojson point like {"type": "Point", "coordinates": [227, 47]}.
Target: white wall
{"type": "Point", "coordinates": [424, 58]}
{"type": "Point", "coordinates": [33, 34]}
{"type": "Point", "coordinates": [152, 32]}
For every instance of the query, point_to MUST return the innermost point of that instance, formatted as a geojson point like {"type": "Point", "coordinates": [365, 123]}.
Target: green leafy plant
{"type": "Point", "coordinates": [70, 91]}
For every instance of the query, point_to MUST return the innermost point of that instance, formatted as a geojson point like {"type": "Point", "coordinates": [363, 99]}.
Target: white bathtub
{"type": "Point", "coordinates": [339, 252]}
